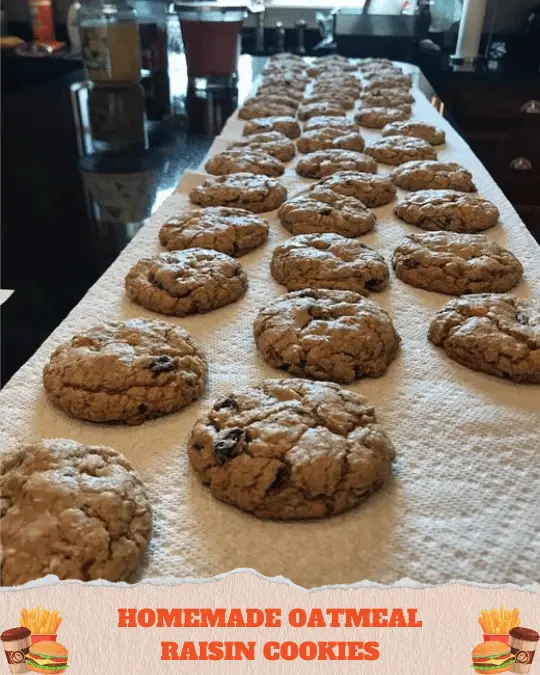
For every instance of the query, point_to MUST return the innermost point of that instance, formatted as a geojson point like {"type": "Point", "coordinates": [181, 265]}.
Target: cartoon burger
{"type": "Point", "coordinates": [492, 657]}
{"type": "Point", "coordinates": [47, 657]}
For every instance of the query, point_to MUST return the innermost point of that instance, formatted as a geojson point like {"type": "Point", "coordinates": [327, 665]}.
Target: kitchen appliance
{"type": "Point", "coordinates": [211, 32]}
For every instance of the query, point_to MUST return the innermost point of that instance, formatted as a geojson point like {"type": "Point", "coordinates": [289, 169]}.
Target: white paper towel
{"type": "Point", "coordinates": [464, 502]}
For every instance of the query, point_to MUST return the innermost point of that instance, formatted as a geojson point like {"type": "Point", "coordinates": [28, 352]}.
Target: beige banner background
{"type": "Point", "coordinates": [97, 646]}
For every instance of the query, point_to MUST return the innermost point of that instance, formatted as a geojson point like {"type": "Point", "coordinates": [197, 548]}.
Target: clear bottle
{"type": "Point", "coordinates": [110, 42]}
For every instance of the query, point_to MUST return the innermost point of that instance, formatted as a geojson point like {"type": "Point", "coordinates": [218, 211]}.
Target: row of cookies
{"type": "Point", "coordinates": [330, 453]}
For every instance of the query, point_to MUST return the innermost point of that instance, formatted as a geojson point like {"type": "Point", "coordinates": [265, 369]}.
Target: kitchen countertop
{"type": "Point", "coordinates": [73, 197]}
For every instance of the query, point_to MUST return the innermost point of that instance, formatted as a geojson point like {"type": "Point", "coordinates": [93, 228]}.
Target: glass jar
{"type": "Point", "coordinates": [110, 42]}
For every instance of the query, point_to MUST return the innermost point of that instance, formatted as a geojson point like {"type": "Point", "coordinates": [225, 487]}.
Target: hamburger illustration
{"type": "Point", "coordinates": [47, 657]}
{"type": "Point", "coordinates": [492, 657]}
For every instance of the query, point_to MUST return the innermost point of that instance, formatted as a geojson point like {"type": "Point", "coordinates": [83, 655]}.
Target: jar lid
{"type": "Point", "coordinates": [15, 634]}
{"type": "Point", "coordinates": [253, 6]}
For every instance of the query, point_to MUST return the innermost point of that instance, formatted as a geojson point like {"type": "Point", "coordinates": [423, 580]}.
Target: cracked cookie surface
{"type": "Point", "coordinates": [229, 230]}
{"type": "Point", "coordinates": [126, 372]}
{"type": "Point", "coordinates": [385, 98]}
{"type": "Point", "coordinates": [377, 117]}
{"type": "Point", "coordinates": [264, 107]}
{"type": "Point", "coordinates": [433, 175]}
{"type": "Point", "coordinates": [346, 102]}
{"type": "Point", "coordinates": [447, 210]}
{"type": "Point", "coordinates": [326, 162]}
{"type": "Point", "coordinates": [193, 281]}
{"type": "Point", "coordinates": [396, 150]}
{"type": "Point", "coordinates": [328, 261]}
{"type": "Point", "coordinates": [447, 262]}
{"type": "Point", "coordinates": [75, 511]}
{"type": "Point", "coordinates": [326, 211]}
{"type": "Point", "coordinates": [272, 142]}
{"type": "Point", "coordinates": [371, 189]}
{"type": "Point", "coordinates": [244, 161]}
{"type": "Point", "coordinates": [428, 132]}
{"type": "Point", "coordinates": [285, 124]}
{"type": "Point", "coordinates": [326, 335]}
{"type": "Point", "coordinates": [244, 190]}
{"type": "Point", "coordinates": [495, 334]}
{"type": "Point", "coordinates": [324, 122]}
{"type": "Point", "coordinates": [291, 449]}
{"type": "Point", "coordinates": [308, 110]}
{"type": "Point", "coordinates": [330, 139]}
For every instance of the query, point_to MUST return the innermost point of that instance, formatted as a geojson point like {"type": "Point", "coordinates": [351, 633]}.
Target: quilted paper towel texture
{"type": "Point", "coordinates": [464, 501]}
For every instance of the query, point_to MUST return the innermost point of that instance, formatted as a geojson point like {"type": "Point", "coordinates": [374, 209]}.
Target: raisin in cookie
{"type": "Point", "coordinates": [330, 139]}
{"type": "Point", "coordinates": [193, 281]}
{"type": "Point", "coordinates": [495, 334]}
{"type": "Point", "coordinates": [325, 162]}
{"type": "Point", "coordinates": [447, 210]}
{"type": "Point", "coordinates": [447, 262]}
{"type": "Point", "coordinates": [126, 372]}
{"type": "Point", "coordinates": [428, 132]}
{"type": "Point", "coordinates": [385, 98]}
{"type": "Point", "coordinates": [326, 335]}
{"type": "Point", "coordinates": [345, 102]}
{"type": "Point", "coordinates": [271, 142]}
{"type": "Point", "coordinates": [328, 261]}
{"type": "Point", "coordinates": [71, 510]}
{"type": "Point", "coordinates": [396, 150]}
{"type": "Point", "coordinates": [231, 231]}
{"type": "Point", "coordinates": [378, 117]}
{"type": "Point", "coordinates": [245, 190]}
{"type": "Point", "coordinates": [326, 211]}
{"type": "Point", "coordinates": [342, 123]}
{"type": "Point", "coordinates": [371, 189]}
{"type": "Point", "coordinates": [285, 124]}
{"type": "Point", "coordinates": [308, 110]}
{"type": "Point", "coordinates": [244, 161]}
{"type": "Point", "coordinates": [433, 175]}
{"type": "Point", "coordinates": [290, 449]}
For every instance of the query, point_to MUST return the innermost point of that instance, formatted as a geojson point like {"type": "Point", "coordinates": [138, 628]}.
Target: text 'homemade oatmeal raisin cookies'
{"type": "Point", "coordinates": [72, 510]}
{"type": "Point", "coordinates": [448, 262]}
{"type": "Point", "coordinates": [495, 334]}
{"type": "Point", "coordinates": [126, 372]}
{"type": "Point", "coordinates": [193, 281]}
{"type": "Point", "coordinates": [290, 449]}
{"type": "Point", "coordinates": [328, 261]}
{"type": "Point", "coordinates": [326, 335]}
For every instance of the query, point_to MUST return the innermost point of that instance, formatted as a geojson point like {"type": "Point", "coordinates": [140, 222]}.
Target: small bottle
{"type": "Point", "coordinates": [110, 42]}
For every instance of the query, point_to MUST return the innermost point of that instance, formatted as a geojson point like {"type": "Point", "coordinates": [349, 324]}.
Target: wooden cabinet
{"type": "Point", "coordinates": [501, 122]}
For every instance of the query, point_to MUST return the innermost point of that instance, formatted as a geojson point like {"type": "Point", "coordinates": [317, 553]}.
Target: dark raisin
{"type": "Point", "coordinates": [411, 263]}
{"type": "Point", "coordinates": [282, 476]}
{"type": "Point", "coordinates": [162, 364]}
{"type": "Point", "coordinates": [229, 402]}
{"type": "Point", "coordinates": [522, 318]}
{"type": "Point", "coordinates": [231, 444]}
{"type": "Point", "coordinates": [373, 284]}
{"type": "Point", "coordinates": [326, 212]}
{"type": "Point", "coordinates": [142, 408]}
